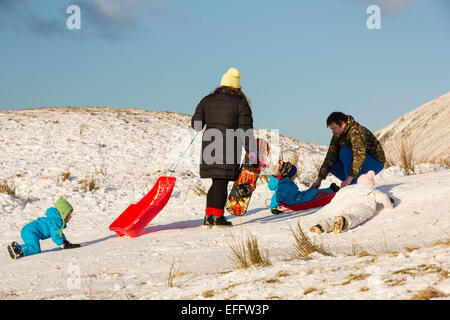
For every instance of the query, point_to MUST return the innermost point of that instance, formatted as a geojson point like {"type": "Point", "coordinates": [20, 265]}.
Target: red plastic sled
{"type": "Point", "coordinates": [138, 215]}
{"type": "Point", "coordinates": [319, 201]}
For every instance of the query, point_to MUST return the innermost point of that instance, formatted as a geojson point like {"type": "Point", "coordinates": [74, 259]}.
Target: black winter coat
{"type": "Point", "coordinates": [223, 111]}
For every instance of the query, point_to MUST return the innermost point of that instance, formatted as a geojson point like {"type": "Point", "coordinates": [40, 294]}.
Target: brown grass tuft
{"type": "Point", "coordinates": [428, 294]}
{"type": "Point", "coordinates": [63, 176]}
{"type": "Point", "coordinates": [173, 273]}
{"type": "Point", "coordinates": [355, 277]}
{"type": "Point", "coordinates": [246, 252]}
{"type": "Point", "coordinates": [404, 156]}
{"type": "Point", "coordinates": [208, 294]}
{"type": "Point", "coordinates": [309, 290]}
{"type": "Point", "coordinates": [89, 183]}
{"type": "Point", "coordinates": [304, 246]}
{"type": "Point", "coordinates": [8, 188]}
{"type": "Point", "coordinates": [198, 190]}
{"type": "Point", "coordinates": [282, 273]}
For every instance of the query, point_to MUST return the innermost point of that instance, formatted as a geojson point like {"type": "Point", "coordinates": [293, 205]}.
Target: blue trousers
{"type": "Point", "coordinates": [308, 195]}
{"type": "Point", "coordinates": [342, 167]}
{"type": "Point", "coordinates": [32, 244]}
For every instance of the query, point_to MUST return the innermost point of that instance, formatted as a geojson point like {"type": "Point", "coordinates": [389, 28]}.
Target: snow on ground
{"type": "Point", "coordinates": [396, 255]}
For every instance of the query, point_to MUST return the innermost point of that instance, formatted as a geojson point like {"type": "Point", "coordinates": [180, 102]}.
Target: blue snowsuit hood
{"type": "Point", "coordinates": [285, 190]}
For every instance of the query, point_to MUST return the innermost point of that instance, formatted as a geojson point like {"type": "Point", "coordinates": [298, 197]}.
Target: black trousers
{"type": "Point", "coordinates": [217, 194]}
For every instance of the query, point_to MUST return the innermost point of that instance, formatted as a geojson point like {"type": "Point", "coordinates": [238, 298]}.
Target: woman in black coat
{"type": "Point", "coordinates": [225, 108]}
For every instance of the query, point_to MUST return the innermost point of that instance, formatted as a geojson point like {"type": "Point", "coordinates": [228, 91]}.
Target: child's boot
{"type": "Point", "coordinates": [340, 224]}
{"type": "Point", "coordinates": [317, 229]}
{"type": "Point", "coordinates": [15, 251]}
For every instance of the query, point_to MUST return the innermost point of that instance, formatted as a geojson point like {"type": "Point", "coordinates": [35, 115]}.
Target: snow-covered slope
{"type": "Point", "coordinates": [426, 130]}
{"type": "Point", "coordinates": [48, 152]}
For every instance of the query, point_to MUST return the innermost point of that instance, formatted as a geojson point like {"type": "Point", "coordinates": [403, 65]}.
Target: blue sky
{"type": "Point", "coordinates": [299, 60]}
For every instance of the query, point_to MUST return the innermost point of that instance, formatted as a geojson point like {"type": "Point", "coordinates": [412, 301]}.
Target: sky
{"type": "Point", "coordinates": [299, 60]}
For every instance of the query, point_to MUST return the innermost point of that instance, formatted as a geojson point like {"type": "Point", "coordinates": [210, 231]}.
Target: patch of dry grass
{"type": "Point", "coordinates": [100, 170]}
{"type": "Point", "coordinates": [395, 282]}
{"type": "Point", "coordinates": [63, 176]}
{"type": "Point", "coordinates": [89, 183]}
{"type": "Point", "coordinates": [439, 161]}
{"type": "Point", "coordinates": [419, 270]}
{"type": "Point", "coordinates": [403, 156]}
{"type": "Point", "coordinates": [445, 242]}
{"type": "Point", "coordinates": [364, 253]}
{"type": "Point", "coordinates": [309, 290]}
{"type": "Point", "coordinates": [369, 261]}
{"type": "Point", "coordinates": [355, 277]}
{"type": "Point", "coordinates": [282, 273]}
{"type": "Point", "coordinates": [198, 190]}
{"type": "Point", "coordinates": [225, 272]}
{"type": "Point", "coordinates": [428, 294]}
{"type": "Point", "coordinates": [173, 273]}
{"type": "Point", "coordinates": [208, 294]}
{"type": "Point", "coordinates": [246, 252]}
{"type": "Point", "coordinates": [358, 251]}
{"type": "Point", "coordinates": [304, 246]}
{"type": "Point", "coordinates": [273, 280]}
{"type": "Point", "coordinates": [8, 187]}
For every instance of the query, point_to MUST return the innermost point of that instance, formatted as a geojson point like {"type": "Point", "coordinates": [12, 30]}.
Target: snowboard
{"type": "Point", "coordinates": [245, 184]}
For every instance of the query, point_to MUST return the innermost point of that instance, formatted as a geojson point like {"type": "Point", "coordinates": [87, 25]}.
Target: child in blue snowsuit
{"type": "Point", "coordinates": [287, 192]}
{"type": "Point", "coordinates": [43, 228]}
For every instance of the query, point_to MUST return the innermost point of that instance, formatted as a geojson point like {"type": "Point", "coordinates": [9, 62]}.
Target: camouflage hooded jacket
{"type": "Point", "coordinates": [361, 140]}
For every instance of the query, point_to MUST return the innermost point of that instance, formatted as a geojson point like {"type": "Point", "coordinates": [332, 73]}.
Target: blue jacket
{"type": "Point", "coordinates": [48, 227]}
{"type": "Point", "coordinates": [286, 192]}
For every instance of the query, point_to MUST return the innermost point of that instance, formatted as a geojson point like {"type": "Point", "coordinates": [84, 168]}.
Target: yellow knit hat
{"type": "Point", "coordinates": [231, 78]}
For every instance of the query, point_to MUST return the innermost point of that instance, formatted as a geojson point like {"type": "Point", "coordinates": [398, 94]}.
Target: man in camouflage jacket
{"type": "Point", "coordinates": [353, 151]}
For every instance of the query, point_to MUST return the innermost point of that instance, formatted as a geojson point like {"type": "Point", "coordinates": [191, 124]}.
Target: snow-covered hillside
{"type": "Point", "coordinates": [52, 152]}
{"type": "Point", "coordinates": [425, 131]}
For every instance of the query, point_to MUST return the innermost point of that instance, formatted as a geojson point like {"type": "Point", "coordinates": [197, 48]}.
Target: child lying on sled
{"type": "Point", "coordinates": [352, 206]}
{"type": "Point", "coordinates": [287, 192]}
{"type": "Point", "coordinates": [43, 228]}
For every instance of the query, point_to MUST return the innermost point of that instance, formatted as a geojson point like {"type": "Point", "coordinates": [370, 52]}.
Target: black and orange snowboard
{"type": "Point", "coordinates": [245, 184]}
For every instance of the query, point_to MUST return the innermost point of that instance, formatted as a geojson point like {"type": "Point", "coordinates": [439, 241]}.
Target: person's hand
{"type": "Point", "coordinates": [346, 182]}
{"type": "Point", "coordinates": [316, 184]}
{"type": "Point", "coordinates": [255, 161]}
{"type": "Point", "coordinates": [253, 157]}
{"type": "Point", "coordinates": [68, 245]}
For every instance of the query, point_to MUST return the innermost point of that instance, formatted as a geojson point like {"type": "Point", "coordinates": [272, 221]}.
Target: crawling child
{"type": "Point", "coordinates": [44, 228]}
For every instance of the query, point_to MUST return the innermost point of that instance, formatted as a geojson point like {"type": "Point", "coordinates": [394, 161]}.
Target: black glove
{"type": "Point", "coordinates": [276, 211]}
{"type": "Point", "coordinates": [68, 245]}
{"type": "Point", "coordinates": [334, 187]}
